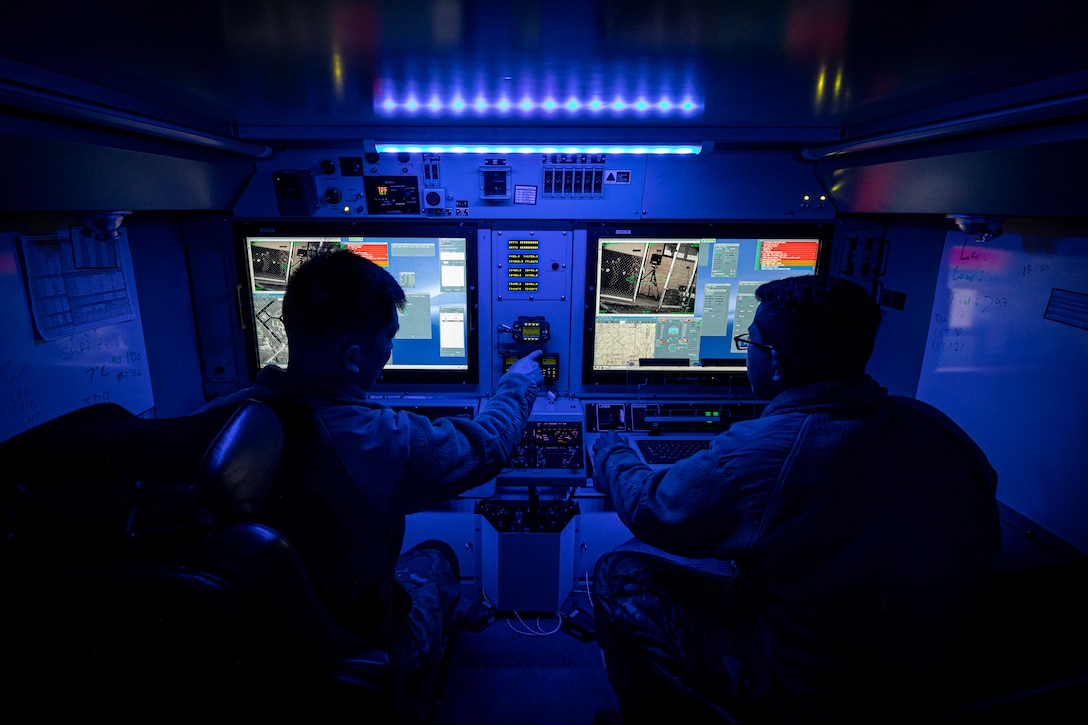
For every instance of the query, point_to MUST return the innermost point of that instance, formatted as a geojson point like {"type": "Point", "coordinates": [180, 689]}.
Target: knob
{"type": "Point", "coordinates": [328, 167]}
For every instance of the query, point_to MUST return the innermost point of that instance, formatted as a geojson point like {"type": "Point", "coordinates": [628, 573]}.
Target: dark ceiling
{"type": "Point", "coordinates": [800, 72]}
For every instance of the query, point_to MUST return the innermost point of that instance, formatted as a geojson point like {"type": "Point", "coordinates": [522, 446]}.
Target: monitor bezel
{"type": "Point", "coordinates": [389, 378]}
{"type": "Point", "coordinates": [731, 372]}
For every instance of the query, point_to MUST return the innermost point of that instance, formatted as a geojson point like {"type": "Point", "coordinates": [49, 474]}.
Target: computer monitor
{"type": "Point", "coordinates": [664, 301]}
{"type": "Point", "coordinates": [435, 263]}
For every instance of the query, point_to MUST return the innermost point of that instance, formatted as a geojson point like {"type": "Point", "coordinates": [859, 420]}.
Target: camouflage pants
{"type": "Point", "coordinates": [656, 614]}
{"type": "Point", "coordinates": [428, 573]}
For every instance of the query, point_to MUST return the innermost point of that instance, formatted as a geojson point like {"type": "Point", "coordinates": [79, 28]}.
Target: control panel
{"type": "Point", "coordinates": [528, 516]}
{"type": "Point", "coordinates": [549, 364]}
{"type": "Point", "coordinates": [552, 451]}
{"type": "Point", "coordinates": [531, 329]}
{"type": "Point", "coordinates": [479, 182]}
{"type": "Point", "coordinates": [680, 417]}
{"type": "Point", "coordinates": [551, 444]}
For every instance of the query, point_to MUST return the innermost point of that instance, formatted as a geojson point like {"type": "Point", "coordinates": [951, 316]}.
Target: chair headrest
{"type": "Point", "coordinates": [240, 466]}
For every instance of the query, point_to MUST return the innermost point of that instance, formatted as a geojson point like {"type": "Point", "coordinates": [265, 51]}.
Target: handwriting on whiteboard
{"type": "Point", "coordinates": [986, 291]}
{"type": "Point", "coordinates": [106, 364]}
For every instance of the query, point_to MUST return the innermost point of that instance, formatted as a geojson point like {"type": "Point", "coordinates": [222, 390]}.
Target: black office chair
{"type": "Point", "coordinates": [1024, 657]}
{"type": "Point", "coordinates": [310, 455]}
{"type": "Point", "coordinates": [136, 581]}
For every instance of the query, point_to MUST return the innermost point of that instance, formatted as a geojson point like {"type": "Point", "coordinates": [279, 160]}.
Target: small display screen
{"type": "Point", "coordinates": [392, 194]}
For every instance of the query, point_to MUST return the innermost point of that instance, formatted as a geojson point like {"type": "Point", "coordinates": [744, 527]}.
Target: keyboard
{"type": "Point", "coordinates": [670, 450]}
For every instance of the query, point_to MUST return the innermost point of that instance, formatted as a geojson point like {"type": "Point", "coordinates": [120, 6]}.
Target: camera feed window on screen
{"type": "Point", "coordinates": [668, 302]}
{"type": "Point", "coordinates": [435, 269]}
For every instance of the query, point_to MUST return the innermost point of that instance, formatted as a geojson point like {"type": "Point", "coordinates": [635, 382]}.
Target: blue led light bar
{"type": "Point", "coordinates": [690, 149]}
{"type": "Point", "coordinates": [576, 89]}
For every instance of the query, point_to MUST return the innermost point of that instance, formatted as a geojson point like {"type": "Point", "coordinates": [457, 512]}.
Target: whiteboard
{"type": "Point", "coordinates": [48, 368]}
{"type": "Point", "coordinates": [1007, 359]}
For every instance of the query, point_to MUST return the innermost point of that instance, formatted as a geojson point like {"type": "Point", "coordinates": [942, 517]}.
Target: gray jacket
{"type": "Point", "coordinates": [354, 469]}
{"type": "Point", "coordinates": [863, 526]}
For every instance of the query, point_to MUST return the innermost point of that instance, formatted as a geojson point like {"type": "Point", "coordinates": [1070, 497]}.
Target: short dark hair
{"type": "Point", "coordinates": [827, 325]}
{"type": "Point", "coordinates": [338, 292]}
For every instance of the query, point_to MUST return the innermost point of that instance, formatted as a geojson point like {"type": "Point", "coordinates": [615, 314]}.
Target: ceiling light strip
{"type": "Point", "coordinates": [428, 147]}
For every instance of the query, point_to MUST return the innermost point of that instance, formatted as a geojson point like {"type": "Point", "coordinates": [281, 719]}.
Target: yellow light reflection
{"type": "Point", "coordinates": [338, 74]}
{"type": "Point", "coordinates": [830, 89]}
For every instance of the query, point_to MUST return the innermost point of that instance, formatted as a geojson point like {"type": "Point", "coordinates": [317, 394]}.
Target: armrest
{"type": "Point", "coordinates": [369, 670]}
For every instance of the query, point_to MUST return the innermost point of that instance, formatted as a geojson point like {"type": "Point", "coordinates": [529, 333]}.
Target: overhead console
{"type": "Point", "coordinates": [520, 183]}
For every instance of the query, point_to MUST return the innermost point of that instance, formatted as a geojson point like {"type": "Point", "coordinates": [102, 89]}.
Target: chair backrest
{"type": "Point", "coordinates": [135, 570]}
{"type": "Point", "coordinates": [242, 463]}
{"type": "Point", "coordinates": [316, 486]}
{"type": "Point", "coordinates": [103, 473]}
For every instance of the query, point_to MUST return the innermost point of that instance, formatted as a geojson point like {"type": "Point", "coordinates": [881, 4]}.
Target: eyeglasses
{"type": "Point", "coordinates": [743, 341]}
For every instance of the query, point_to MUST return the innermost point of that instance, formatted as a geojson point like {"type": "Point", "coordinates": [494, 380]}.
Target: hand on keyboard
{"type": "Point", "coordinates": [608, 438]}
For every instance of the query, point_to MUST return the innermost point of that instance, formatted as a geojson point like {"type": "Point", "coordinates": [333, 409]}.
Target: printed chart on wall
{"type": "Point", "coordinates": [1006, 358]}
{"type": "Point", "coordinates": [72, 335]}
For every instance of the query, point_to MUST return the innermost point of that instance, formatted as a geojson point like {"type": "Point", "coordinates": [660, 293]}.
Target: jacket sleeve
{"type": "Point", "coordinates": [452, 455]}
{"type": "Point", "coordinates": [709, 504]}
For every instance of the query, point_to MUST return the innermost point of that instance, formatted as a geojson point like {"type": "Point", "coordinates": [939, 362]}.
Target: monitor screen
{"type": "Point", "coordinates": [665, 301]}
{"type": "Point", "coordinates": [435, 264]}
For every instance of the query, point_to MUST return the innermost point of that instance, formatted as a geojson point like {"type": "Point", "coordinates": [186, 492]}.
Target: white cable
{"type": "Point", "coordinates": [538, 632]}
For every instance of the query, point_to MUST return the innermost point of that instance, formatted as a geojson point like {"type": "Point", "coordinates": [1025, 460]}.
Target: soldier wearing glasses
{"type": "Point", "coordinates": [815, 563]}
